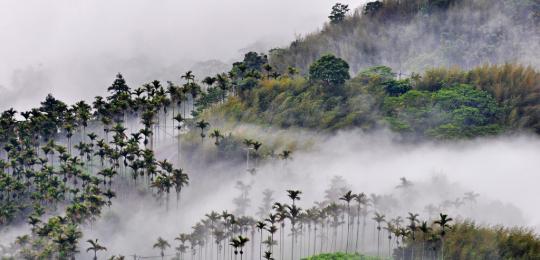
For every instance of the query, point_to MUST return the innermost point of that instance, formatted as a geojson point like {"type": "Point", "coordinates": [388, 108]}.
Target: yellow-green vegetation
{"type": "Point", "coordinates": [441, 103]}
{"type": "Point", "coordinates": [467, 240]}
{"type": "Point", "coordinates": [341, 256]}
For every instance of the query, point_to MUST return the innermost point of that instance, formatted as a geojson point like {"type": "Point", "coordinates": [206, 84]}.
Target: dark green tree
{"type": "Point", "coordinates": [329, 70]}
{"type": "Point", "coordinates": [339, 11]}
{"type": "Point", "coordinates": [372, 7]}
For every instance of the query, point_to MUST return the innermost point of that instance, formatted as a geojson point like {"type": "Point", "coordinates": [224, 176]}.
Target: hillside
{"type": "Point", "coordinates": [415, 35]}
{"type": "Point", "coordinates": [440, 103]}
{"type": "Point", "coordinates": [473, 78]}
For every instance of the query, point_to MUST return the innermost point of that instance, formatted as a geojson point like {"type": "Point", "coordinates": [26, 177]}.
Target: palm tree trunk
{"type": "Point", "coordinates": [292, 243]}
{"type": "Point", "coordinates": [363, 234]}
{"type": "Point", "coordinates": [260, 245]}
{"type": "Point", "coordinates": [314, 240]}
{"type": "Point", "coordinates": [378, 243]}
{"type": "Point", "coordinates": [412, 249]}
{"type": "Point", "coordinates": [357, 230]}
{"type": "Point", "coordinates": [348, 227]}
{"type": "Point", "coordinates": [442, 247]}
{"type": "Point", "coordinates": [309, 240]}
{"type": "Point", "coordinates": [281, 242]}
{"type": "Point", "coordinates": [423, 249]}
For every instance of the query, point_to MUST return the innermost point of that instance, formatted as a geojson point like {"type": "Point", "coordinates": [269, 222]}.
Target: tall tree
{"type": "Point", "coordinates": [95, 246]}
{"type": "Point", "coordinates": [444, 225]}
{"type": "Point", "coordinates": [330, 71]}
{"type": "Point", "coordinates": [348, 197]}
{"type": "Point", "coordinates": [202, 125]}
{"type": "Point", "coordinates": [379, 218]}
{"type": "Point", "coordinates": [339, 11]}
{"type": "Point", "coordinates": [162, 245]}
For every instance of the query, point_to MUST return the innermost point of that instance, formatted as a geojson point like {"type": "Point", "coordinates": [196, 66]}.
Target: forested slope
{"type": "Point", "coordinates": [414, 35]}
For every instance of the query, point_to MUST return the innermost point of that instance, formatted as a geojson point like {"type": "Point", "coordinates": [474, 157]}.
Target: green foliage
{"type": "Point", "coordinates": [516, 88]}
{"type": "Point", "coordinates": [341, 256]}
{"type": "Point", "coordinates": [467, 240]}
{"type": "Point", "coordinates": [329, 70]}
{"type": "Point", "coordinates": [453, 112]}
{"type": "Point", "coordinates": [254, 61]}
{"type": "Point", "coordinates": [441, 104]}
{"type": "Point", "coordinates": [296, 102]}
{"type": "Point", "coordinates": [397, 87]}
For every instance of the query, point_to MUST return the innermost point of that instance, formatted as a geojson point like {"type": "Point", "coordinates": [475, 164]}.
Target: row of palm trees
{"type": "Point", "coordinates": [288, 231]}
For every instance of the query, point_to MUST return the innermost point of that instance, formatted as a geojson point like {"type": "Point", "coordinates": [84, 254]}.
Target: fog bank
{"type": "Point", "coordinates": [502, 170]}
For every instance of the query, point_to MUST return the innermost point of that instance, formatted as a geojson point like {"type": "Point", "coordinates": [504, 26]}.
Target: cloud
{"type": "Point", "coordinates": [501, 170]}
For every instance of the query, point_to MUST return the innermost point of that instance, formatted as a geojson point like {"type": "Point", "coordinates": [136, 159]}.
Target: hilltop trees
{"type": "Point", "coordinates": [329, 70]}
{"type": "Point", "coordinates": [444, 224]}
{"type": "Point", "coordinates": [339, 11]}
{"type": "Point", "coordinates": [372, 7]}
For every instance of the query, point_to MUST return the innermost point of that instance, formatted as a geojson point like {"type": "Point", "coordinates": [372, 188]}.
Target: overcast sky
{"type": "Point", "coordinates": [73, 49]}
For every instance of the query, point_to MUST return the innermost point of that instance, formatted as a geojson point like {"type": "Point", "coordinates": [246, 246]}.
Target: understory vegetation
{"type": "Point", "coordinates": [340, 256]}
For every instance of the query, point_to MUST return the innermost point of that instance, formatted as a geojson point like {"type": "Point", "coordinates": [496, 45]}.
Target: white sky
{"type": "Point", "coordinates": [73, 49]}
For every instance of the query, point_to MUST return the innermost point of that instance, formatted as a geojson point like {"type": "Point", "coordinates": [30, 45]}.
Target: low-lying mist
{"type": "Point", "coordinates": [501, 170]}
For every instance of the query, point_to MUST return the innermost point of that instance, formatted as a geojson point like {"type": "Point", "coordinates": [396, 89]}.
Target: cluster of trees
{"type": "Point", "coordinates": [340, 256]}
{"type": "Point", "coordinates": [334, 224]}
{"type": "Point", "coordinates": [351, 223]}
{"type": "Point", "coordinates": [78, 158]}
{"type": "Point", "coordinates": [441, 103]}
{"type": "Point", "coordinates": [61, 164]}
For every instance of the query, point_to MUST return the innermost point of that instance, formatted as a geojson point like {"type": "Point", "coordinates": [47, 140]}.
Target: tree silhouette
{"type": "Point", "coordinates": [216, 134]}
{"type": "Point", "coordinates": [348, 197]}
{"type": "Point", "coordinates": [95, 246]}
{"type": "Point", "coordinates": [338, 13]}
{"type": "Point", "coordinates": [378, 218]}
{"type": "Point", "coordinates": [426, 230]}
{"type": "Point", "coordinates": [413, 218]}
{"type": "Point", "coordinates": [162, 245]}
{"type": "Point", "coordinates": [444, 225]}
{"type": "Point", "coordinates": [202, 125]}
